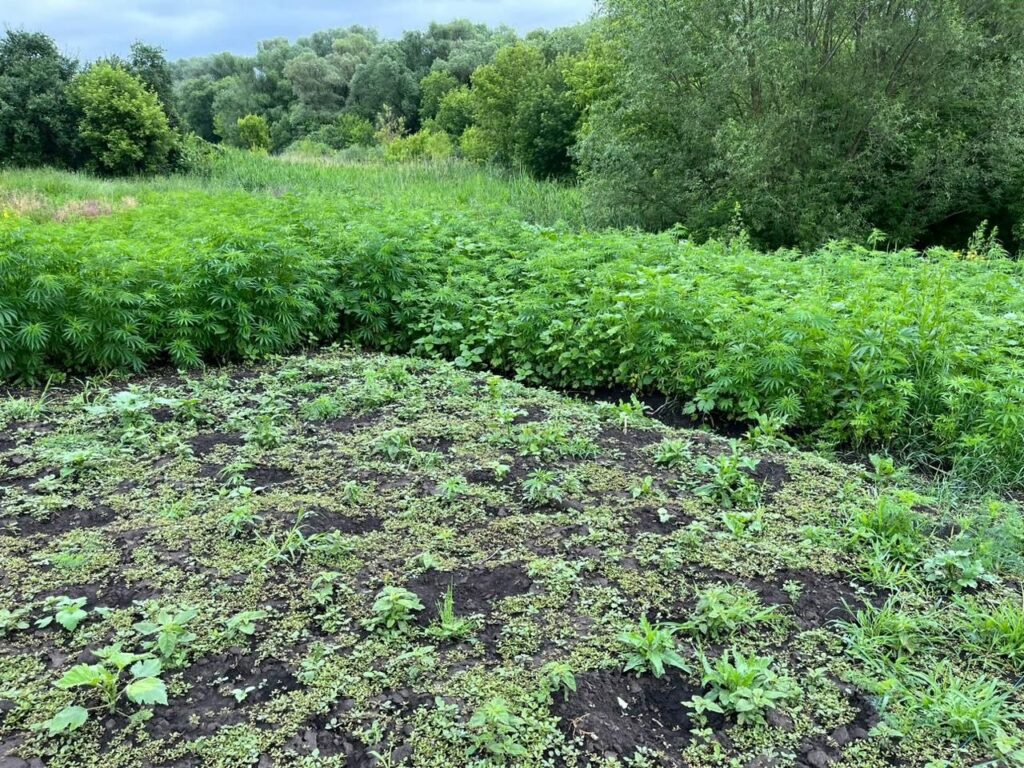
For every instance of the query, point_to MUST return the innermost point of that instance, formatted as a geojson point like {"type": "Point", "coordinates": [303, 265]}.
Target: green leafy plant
{"type": "Point", "coordinates": [556, 676]}
{"type": "Point", "coordinates": [395, 445]}
{"type": "Point", "coordinates": [541, 487]}
{"type": "Point", "coordinates": [14, 620]}
{"type": "Point", "coordinates": [943, 701]}
{"type": "Point", "coordinates": [672, 453]}
{"type": "Point", "coordinates": [723, 610]}
{"type": "Point", "coordinates": [955, 570]}
{"type": "Point", "coordinates": [730, 483]}
{"type": "Point", "coordinates": [890, 526]}
{"type": "Point", "coordinates": [170, 634]}
{"type": "Point", "coordinates": [106, 681]}
{"type": "Point", "coordinates": [449, 626]}
{"type": "Point", "coordinates": [394, 609]}
{"type": "Point", "coordinates": [888, 635]}
{"type": "Point", "coordinates": [495, 731]}
{"type": "Point", "coordinates": [745, 686]}
{"type": "Point", "coordinates": [997, 631]}
{"type": "Point", "coordinates": [243, 624]}
{"type": "Point", "coordinates": [66, 611]}
{"type": "Point", "coordinates": [651, 648]}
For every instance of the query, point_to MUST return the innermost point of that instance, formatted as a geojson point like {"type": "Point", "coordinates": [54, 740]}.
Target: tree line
{"type": "Point", "coordinates": [796, 121]}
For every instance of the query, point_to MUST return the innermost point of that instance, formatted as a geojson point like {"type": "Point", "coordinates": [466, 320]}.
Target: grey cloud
{"type": "Point", "coordinates": [91, 28]}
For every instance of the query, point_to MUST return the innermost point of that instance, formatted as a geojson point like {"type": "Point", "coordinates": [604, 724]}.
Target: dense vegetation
{"type": "Point", "coordinates": [809, 119]}
{"type": "Point", "coordinates": [918, 353]}
{"type": "Point", "coordinates": [338, 560]}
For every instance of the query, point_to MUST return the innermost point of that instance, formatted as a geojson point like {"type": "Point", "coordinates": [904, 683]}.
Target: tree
{"type": "Point", "coordinates": [254, 133]}
{"type": "Point", "coordinates": [524, 110]}
{"type": "Point", "coordinates": [433, 88]}
{"type": "Point", "coordinates": [195, 100]}
{"type": "Point", "coordinates": [455, 112]}
{"type": "Point", "coordinates": [818, 118]}
{"type": "Point", "coordinates": [37, 120]}
{"type": "Point", "coordinates": [384, 79]}
{"type": "Point", "coordinates": [148, 63]}
{"type": "Point", "coordinates": [123, 128]}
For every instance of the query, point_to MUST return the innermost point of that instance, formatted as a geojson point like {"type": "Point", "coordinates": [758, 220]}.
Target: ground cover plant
{"type": "Point", "coordinates": [199, 569]}
{"type": "Point", "coordinates": [914, 354]}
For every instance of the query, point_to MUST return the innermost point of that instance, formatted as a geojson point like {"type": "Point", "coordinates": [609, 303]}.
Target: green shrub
{"type": "Point", "coordinates": [123, 128]}
{"type": "Point", "coordinates": [425, 145]}
{"type": "Point", "coordinates": [254, 133]}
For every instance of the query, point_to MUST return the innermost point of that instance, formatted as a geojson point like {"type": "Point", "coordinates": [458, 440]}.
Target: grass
{"type": "Point", "coordinates": [317, 559]}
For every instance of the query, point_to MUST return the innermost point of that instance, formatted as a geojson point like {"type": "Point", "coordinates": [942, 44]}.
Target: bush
{"type": "Point", "coordinates": [123, 128]}
{"type": "Point", "coordinates": [254, 133]}
{"type": "Point", "coordinates": [425, 145]}
{"type": "Point", "coordinates": [347, 131]}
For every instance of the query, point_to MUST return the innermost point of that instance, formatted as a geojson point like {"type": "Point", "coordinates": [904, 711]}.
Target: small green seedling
{"type": "Point", "coordinates": [495, 731]}
{"type": "Point", "coordinates": [745, 687]}
{"type": "Point", "coordinates": [651, 649]}
{"type": "Point", "coordinates": [448, 625]}
{"type": "Point", "coordinates": [393, 610]}
{"type": "Point", "coordinates": [169, 633]}
{"type": "Point", "coordinates": [66, 611]}
{"type": "Point", "coordinates": [243, 624]}
{"type": "Point", "coordinates": [105, 681]}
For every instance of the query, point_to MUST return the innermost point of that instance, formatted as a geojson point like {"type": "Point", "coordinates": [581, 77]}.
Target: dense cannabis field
{"type": "Point", "coordinates": [917, 353]}
{"type": "Point", "coordinates": [344, 560]}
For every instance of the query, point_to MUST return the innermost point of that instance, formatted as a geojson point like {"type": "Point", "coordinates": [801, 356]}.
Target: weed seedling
{"type": "Point", "coordinates": [494, 731]}
{"type": "Point", "coordinates": [104, 680]}
{"type": "Point", "coordinates": [394, 609]}
{"type": "Point", "coordinates": [745, 687]}
{"type": "Point", "coordinates": [730, 483]}
{"type": "Point", "coordinates": [956, 570]}
{"type": "Point", "coordinates": [169, 633]}
{"type": "Point", "coordinates": [66, 611]}
{"type": "Point", "coordinates": [449, 626]}
{"type": "Point", "coordinates": [651, 649]}
{"type": "Point", "coordinates": [672, 454]}
{"type": "Point", "coordinates": [242, 625]}
{"type": "Point", "coordinates": [723, 610]}
{"type": "Point", "coordinates": [541, 488]}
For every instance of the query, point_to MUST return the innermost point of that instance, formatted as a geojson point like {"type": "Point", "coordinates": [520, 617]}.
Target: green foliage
{"type": "Point", "coordinates": [961, 707]}
{"type": "Point", "coordinates": [426, 145]}
{"type": "Point", "coordinates": [37, 120]}
{"type": "Point", "coordinates": [853, 347]}
{"type": "Point", "coordinates": [66, 611]}
{"type": "Point", "coordinates": [651, 648]}
{"type": "Point", "coordinates": [898, 117]}
{"type": "Point", "coordinates": [123, 128]}
{"type": "Point", "coordinates": [888, 635]}
{"type": "Point", "coordinates": [169, 633]}
{"type": "Point", "coordinates": [449, 626]}
{"type": "Point", "coordinates": [495, 731]}
{"type": "Point", "coordinates": [997, 631]}
{"type": "Point", "coordinates": [394, 609]}
{"type": "Point", "coordinates": [433, 88]}
{"type": "Point", "coordinates": [891, 527]}
{"type": "Point", "coordinates": [524, 112]}
{"type": "Point", "coordinates": [105, 680]}
{"type": "Point", "coordinates": [955, 570]}
{"type": "Point", "coordinates": [745, 687]}
{"type": "Point", "coordinates": [541, 487]}
{"type": "Point", "coordinates": [725, 609]}
{"type": "Point", "coordinates": [254, 133]}
{"type": "Point", "coordinates": [730, 482]}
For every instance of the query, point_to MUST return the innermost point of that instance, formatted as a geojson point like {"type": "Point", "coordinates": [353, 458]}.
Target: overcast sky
{"type": "Point", "coordinates": [87, 29]}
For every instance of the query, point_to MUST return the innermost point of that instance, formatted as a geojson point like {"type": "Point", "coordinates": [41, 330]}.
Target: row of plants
{"type": "Point", "coordinates": [920, 353]}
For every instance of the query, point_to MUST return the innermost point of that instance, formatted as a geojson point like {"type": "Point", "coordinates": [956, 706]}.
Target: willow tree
{"type": "Point", "coordinates": [815, 118]}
